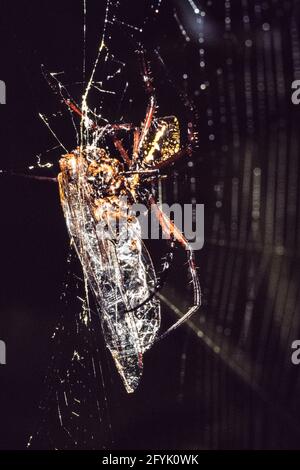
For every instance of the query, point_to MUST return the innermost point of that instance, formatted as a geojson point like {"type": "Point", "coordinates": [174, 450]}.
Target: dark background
{"type": "Point", "coordinates": [225, 379]}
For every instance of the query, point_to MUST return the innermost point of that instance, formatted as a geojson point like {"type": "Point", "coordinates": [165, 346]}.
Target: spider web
{"type": "Point", "coordinates": [74, 413]}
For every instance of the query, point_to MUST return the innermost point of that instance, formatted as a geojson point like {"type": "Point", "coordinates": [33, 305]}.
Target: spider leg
{"type": "Point", "coordinates": [152, 101]}
{"type": "Point", "coordinates": [122, 151]}
{"type": "Point", "coordinates": [176, 156]}
{"type": "Point", "coordinates": [122, 127]}
{"type": "Point", "coordinates": [197, 296]}
{"type": "Point", "coordinates": [148, 121]}
{"type": "Point", "coordinates": [170, 229]}
{"type": "Point", "coordinates": [136, 140]}
{"type": "Point", "coordinates": [73, 107]}
{"type": "Point", "coordinates": [143, 173]}
{"type": "Point", "coordinates": [24, 175]}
